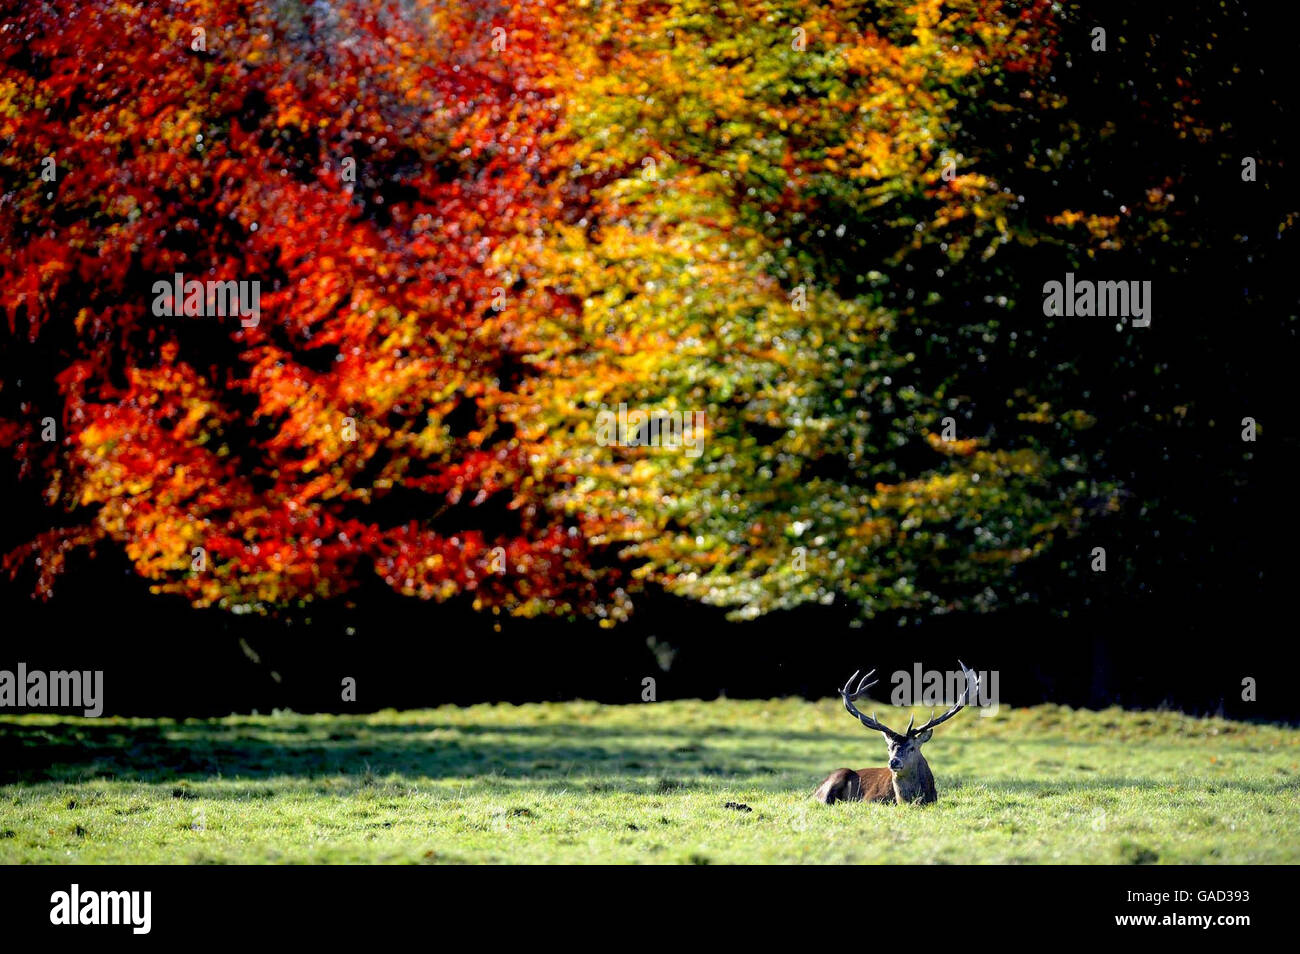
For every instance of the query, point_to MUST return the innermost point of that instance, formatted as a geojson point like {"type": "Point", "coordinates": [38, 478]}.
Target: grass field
{"type": "Point", "coordinates": [674, 782]}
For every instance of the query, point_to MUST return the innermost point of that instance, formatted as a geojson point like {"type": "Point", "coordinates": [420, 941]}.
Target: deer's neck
{"type": "Point", "coordinates": [917, 786]}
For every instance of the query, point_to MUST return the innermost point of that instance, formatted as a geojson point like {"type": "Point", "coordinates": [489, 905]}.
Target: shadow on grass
{"type": "Point", "coordinates": [1048, 787]}
{"type": "Point", "coordinates": [164, 752]}
{"type": "Point", "coordinates": [615, 758]}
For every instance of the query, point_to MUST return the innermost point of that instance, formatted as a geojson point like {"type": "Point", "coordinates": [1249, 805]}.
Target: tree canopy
{"type": "Point", "coordinates": [475, 227]}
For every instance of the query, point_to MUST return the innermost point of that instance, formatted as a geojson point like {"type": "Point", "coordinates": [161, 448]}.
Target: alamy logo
{"type": "Point", "coordinates": [53, 690]}
{"type": "Point", "coordinates": [935, 687]}
{"type": "Point", "coordinates": [1101, 299]}
{"type": "Point", "coordinates": [103, 907]}
{"type": "Point", "coordinates": [212, 299]}
{"type": "Point", "coordinates": [669, 429]}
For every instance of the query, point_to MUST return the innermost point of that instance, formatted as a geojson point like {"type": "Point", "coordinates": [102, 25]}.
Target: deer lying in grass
{"type": "Point", "coordinates": [908, 778]}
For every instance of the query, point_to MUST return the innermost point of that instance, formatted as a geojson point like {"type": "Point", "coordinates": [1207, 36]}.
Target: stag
{"type": "Point", "coordinates": [908, 778]}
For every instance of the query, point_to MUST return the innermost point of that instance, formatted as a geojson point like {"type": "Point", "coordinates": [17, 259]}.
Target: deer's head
{"type": "Point", "coordinates": [904, 747]}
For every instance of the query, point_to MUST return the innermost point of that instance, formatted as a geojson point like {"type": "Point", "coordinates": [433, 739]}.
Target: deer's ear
{"type": "Point", "coordinates": [924, 736]}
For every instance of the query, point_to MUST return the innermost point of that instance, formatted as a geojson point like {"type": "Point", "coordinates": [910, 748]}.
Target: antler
{"type": "Point", "coordinates": [849, 694]}
{"type": "Point", "coordinates": [972, 681]}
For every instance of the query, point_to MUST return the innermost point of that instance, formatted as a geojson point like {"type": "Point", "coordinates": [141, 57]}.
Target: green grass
{"type": "Point", "coordinates": [580, 782]}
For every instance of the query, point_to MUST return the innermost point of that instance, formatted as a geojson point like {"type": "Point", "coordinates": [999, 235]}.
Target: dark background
{"type": "Point", "coordinates": [1186, 642]}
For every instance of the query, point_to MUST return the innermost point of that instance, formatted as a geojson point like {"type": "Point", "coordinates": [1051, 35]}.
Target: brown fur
{"type": "Point", "coordinates": [878, 785]}
{"type": "Point", "coordinates": [908, 780]}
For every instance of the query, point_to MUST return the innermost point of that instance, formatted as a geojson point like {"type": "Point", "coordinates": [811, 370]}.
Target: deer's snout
{"type": "Point", "coordinates": [895, 763]}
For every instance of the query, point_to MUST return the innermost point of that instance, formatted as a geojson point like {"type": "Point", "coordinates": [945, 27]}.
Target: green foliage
{"type": "Point", "coordinates": [824, 230]}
